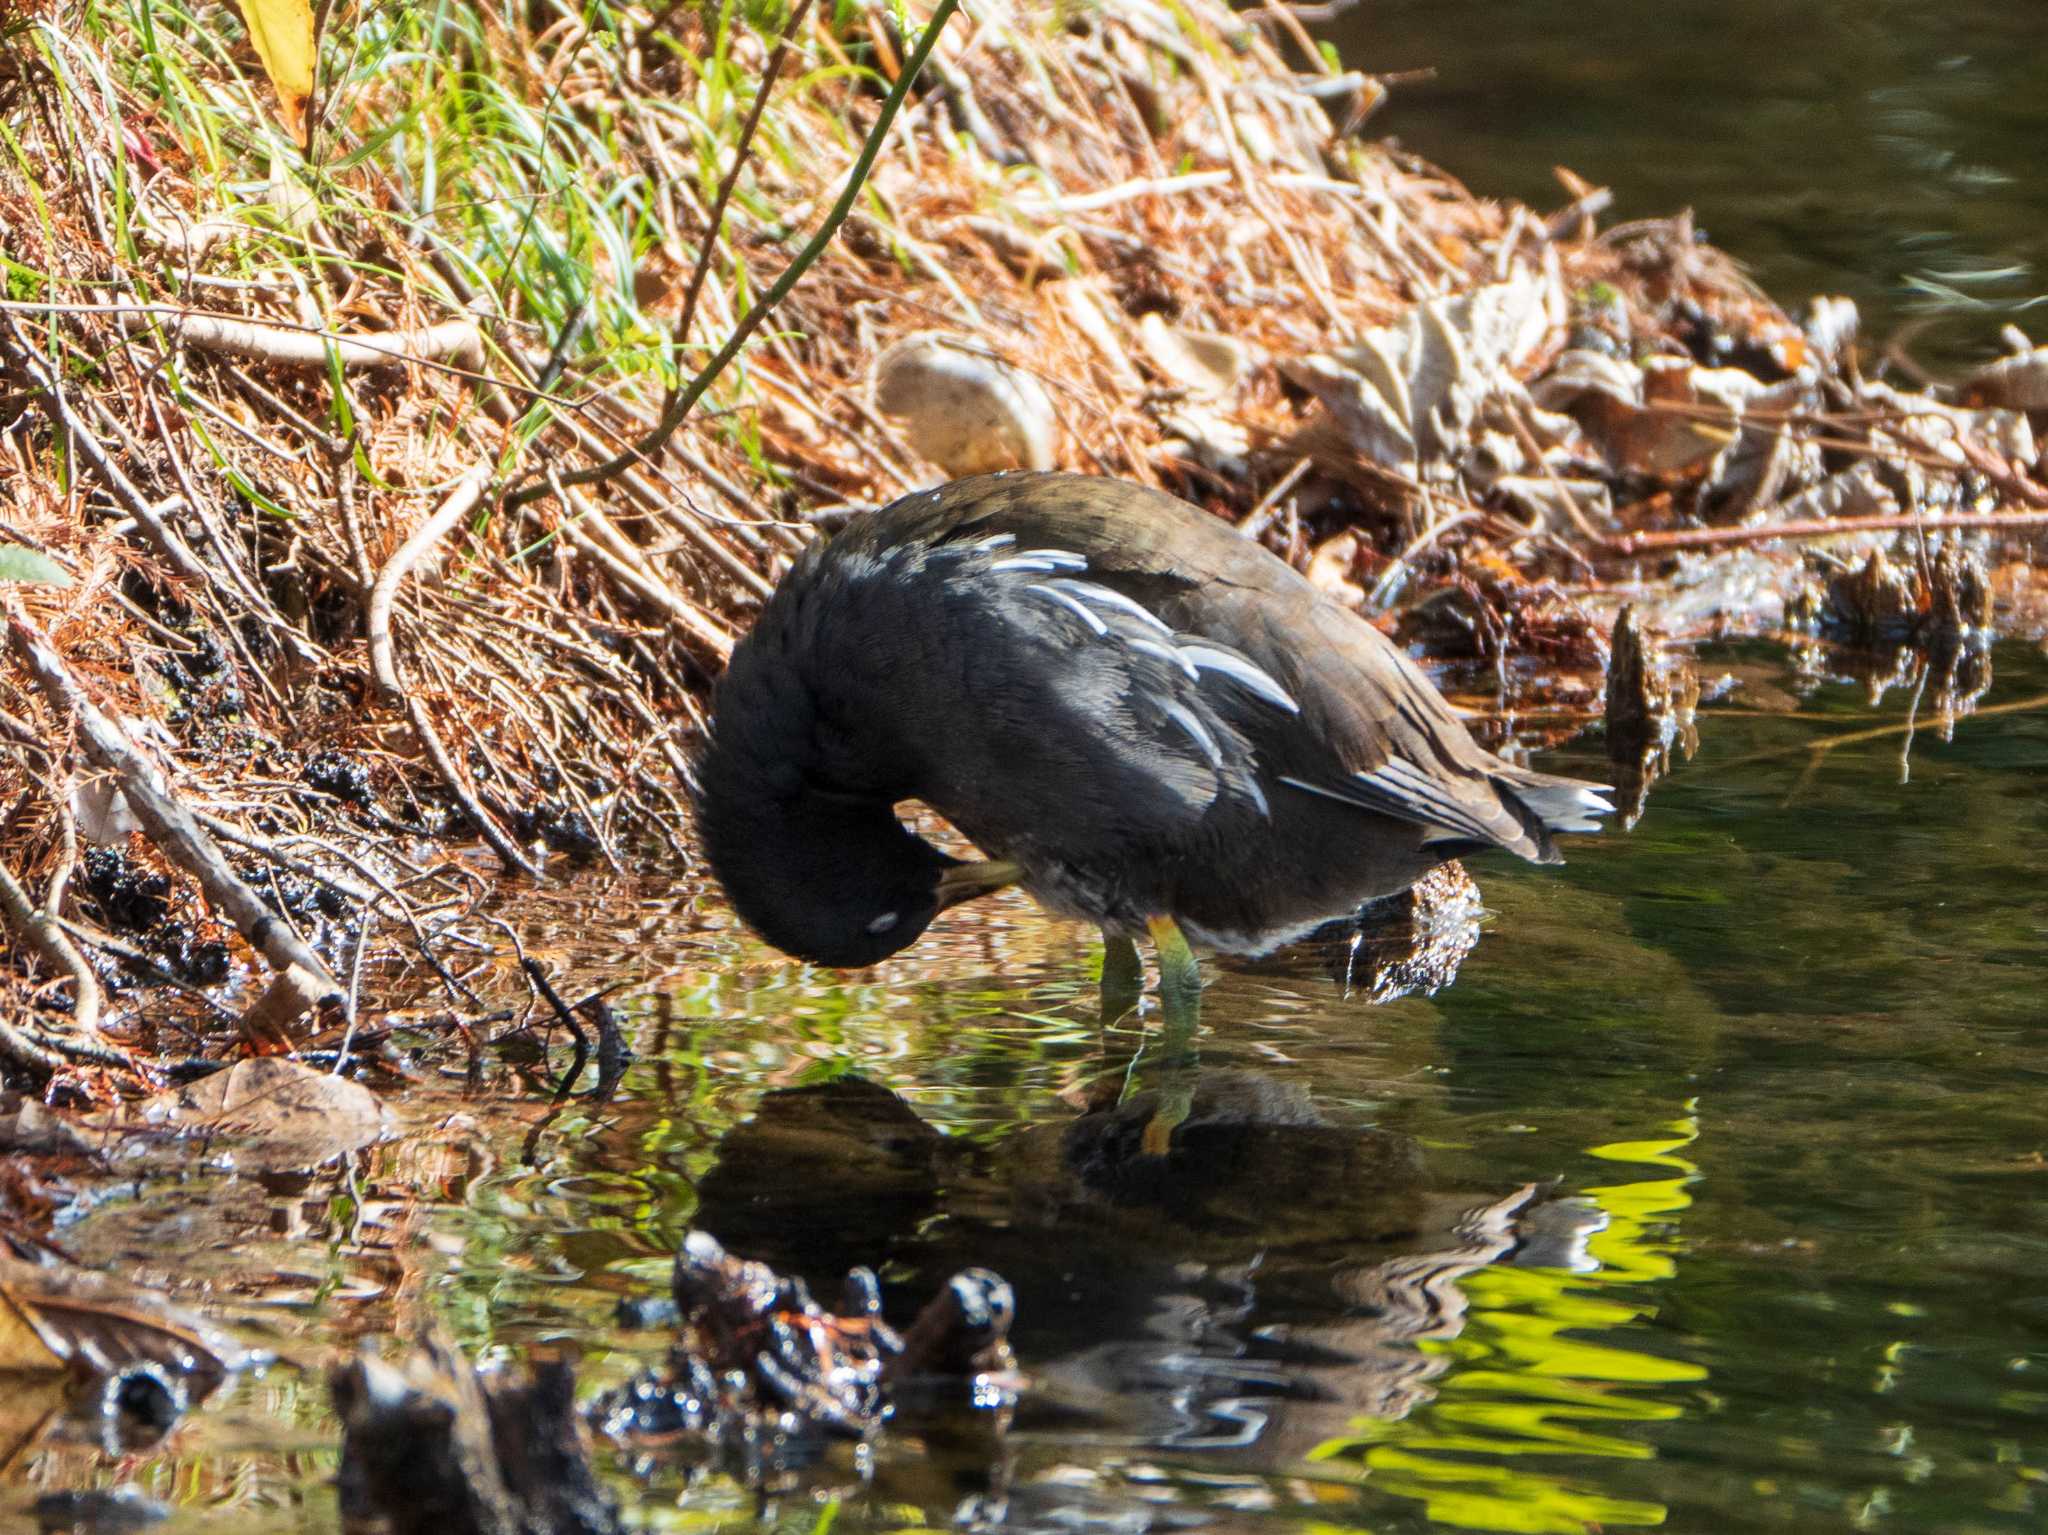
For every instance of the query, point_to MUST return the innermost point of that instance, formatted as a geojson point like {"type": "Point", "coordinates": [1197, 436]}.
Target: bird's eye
{"type": "Point", "coordinates": [884, 922]}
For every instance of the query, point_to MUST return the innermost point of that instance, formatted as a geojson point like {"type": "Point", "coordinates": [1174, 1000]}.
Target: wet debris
{"type": "Point", "coordinates": [433, 1446]}
{"type": "Point", "coordinates": [1404, 944]}
{"type": "Point", "coordinates": [333, 772]}
{"type": "Point", "coordinates": [98, 1511]}
{"type": "Point", "coordinates": [1938, 603]}
{"type": "Point", "coordinates": [2018, 382]}
{"type": "Point", "coordinates": [263, 1113]}
{"type": "Point", "coordinates": [95, 1328]}
{"type": "Point", "coordinates": [94, 1361]}
{"type": "Point", "coordinates": [1414, 396]}
{"type": "Point", "coordinates": [26, 1125]}
{"type": "Point", "coordinates": [130, 899]}
{"type": "Point", "coordinates": [1652, 699]}
{"type": "Point", "coordinates": [761, 1375]}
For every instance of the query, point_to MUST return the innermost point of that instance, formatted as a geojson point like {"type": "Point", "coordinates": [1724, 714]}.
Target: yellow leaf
{"type": "Point", "coordinates": [282, 31]}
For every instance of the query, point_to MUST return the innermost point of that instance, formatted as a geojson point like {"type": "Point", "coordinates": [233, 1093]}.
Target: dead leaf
{"type": "Point", "coordinates": [276, 1113]}
{"type": "Point", "coordinates": [25, 1125]}
{"type": "Point", "coordinates": [1204, 363]}
{"type": "Point", "coordinates": [30, 1406]}
{"type": "Point", "coordinates": [1550, 503]}
{"type": "Point", "coordinates": [1331, 567]}
{"type": "Point", "coordinates": [54, 1317]}
{"type": "Point", "coordinates": [964, 408]}
{"type": "Point", "coordinates": [1408, 394]}
{"type": "Point", "coordinates": [2019, 382]}
{"type": "Point", "coordinates": [284, 36]}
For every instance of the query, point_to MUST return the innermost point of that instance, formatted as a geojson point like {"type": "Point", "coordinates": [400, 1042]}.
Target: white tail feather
{"type": "Point", "coordinates": [1564, 805]}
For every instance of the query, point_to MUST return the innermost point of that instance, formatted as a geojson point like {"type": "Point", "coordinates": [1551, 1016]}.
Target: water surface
{"type": "Point", "coordinates": [1887, 149]}
{"type": "Point", "coordinates": [1711, 1195]}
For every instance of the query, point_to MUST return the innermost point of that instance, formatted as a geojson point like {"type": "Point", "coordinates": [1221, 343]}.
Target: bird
{"type": "Point", "coordinates": [1145, 719]}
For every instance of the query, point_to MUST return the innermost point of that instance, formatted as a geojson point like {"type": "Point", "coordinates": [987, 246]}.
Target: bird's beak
{"type": "Point", "coordinates": [965, 881]}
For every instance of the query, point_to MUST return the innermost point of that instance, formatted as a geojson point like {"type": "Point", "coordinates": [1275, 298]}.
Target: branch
{"type": "Point", "coordinates": [377, 614]}
{"type": "Point", "coordinates": [452, 341]}
{"type": "Point", "coordinates": [384, 664]}
{"type": "Point", "coordinates": [1825, 527]}
{"type": "Point", "coordinates": [39, 930]}
{"type": "Point", "coordinates": [714, 221]}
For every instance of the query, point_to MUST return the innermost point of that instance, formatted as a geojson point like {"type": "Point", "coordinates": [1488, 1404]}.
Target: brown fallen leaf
{"type": "Point", "coordinates": [56, 1317]}
{"type": "Point", "coordinates": [276, 1113]}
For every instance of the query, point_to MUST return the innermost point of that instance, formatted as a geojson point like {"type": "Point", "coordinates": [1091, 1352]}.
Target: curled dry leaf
{"type": "Point", "coordinates": [2019, 382]}
{"type": "Point", "coordinates": [1203, 363]}
{"type": "Point", "coordinates": [57, 1317]}
{"type": "Point", "coordinates": [1408, 394]}
{"type": "Point", "coordinates": [962, 407]}
{"type": "Point", "coordinates": [1332, 565]}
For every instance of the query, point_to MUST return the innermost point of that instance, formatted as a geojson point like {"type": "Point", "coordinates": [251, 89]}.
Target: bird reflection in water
{"type": "Point", "coordinates": [1247, 1293]}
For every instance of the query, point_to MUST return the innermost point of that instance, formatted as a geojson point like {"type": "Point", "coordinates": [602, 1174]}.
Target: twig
{"type": "Point", "coordinates": [355, 981]}
{"type": "Point", "coordinates": [384, 663]}
{"type": "Point", "coordinates": [546, 989]}
{"type": "Point", "coordinates": [460, 502]}
{"type": "Point", "coordinates": [87, 446]}
{"type": "Point", "coordinates": [169, 824]}
{"type": "Point", "coordinates": [714, 218]}
{"type": "Point", "coordinates": [452, 341]}
{"type": "Point", "coordinates": [437, 754]}
{"type": "Point", "coordinates": [28, 1052]}
{"type": "Point", "coordinates": [1123, 192]}
{"type": "Point", "coordinates": [39, 930]}
{"type": "Point", "coordinates": [856, 178]}
{"type": "Point", "coordinates": [1713, 538]}
{"type": "Point", "coordinates": [360, 350]}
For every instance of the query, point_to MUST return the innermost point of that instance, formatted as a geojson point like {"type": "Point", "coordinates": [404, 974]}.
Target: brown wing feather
{"type": "Point", "coordinates": [1364, 704]}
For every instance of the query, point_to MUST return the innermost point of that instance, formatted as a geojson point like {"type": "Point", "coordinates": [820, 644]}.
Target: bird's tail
{"type": "Point", "coordinates": [1562, 804]}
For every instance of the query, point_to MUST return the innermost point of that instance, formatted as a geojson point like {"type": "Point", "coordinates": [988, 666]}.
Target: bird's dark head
{"type": "Point", "coordinates": [837, 882]}
{"type": "Point", "coordinates": [822, 871]}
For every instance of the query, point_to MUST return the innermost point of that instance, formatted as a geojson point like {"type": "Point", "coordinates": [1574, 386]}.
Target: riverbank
{"type": "Point", "coordinates": [380, 565]}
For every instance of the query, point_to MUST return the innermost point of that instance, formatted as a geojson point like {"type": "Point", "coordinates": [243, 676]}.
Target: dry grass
{"type": "Point", "coordinates": [237, 380]}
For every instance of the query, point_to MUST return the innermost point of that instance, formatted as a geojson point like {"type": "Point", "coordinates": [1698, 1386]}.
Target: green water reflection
{"type": "Point", "coordinates": [1529, 1385]}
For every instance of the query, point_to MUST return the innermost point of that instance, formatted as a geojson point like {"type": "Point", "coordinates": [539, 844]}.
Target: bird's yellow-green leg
{"type": "Point", "coordinates": [1123, 978]}
{"type": "Point", "coordinates": [1180, 1010]}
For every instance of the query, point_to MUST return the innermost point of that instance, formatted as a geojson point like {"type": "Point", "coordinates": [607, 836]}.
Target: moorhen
{"type": "Point", "coordinates": [1144, 718]}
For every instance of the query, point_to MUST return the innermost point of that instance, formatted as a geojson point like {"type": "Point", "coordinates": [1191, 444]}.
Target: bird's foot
{"type": "Point", "coordinates": [1123, 979]}
{"type": "Point", "coordinates": [1176, 1098]}
{"type": "Point", "coordinates": [1180, 978]}
{"type": "Point", "coordinates": [1180, 1009]}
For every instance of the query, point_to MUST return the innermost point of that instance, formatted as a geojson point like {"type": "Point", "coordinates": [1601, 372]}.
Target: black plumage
{"type": "Point", "coordinates": [1123, 703]}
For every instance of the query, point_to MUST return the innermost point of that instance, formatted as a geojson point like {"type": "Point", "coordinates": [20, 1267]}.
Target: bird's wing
{"type": "Point", "coordinates": [1378, 734]}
